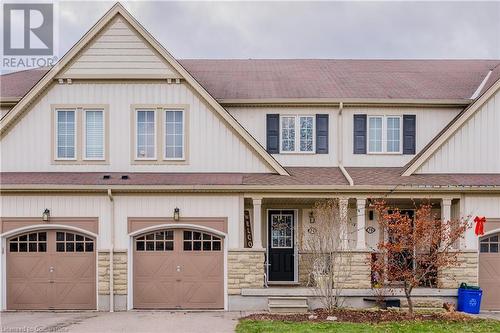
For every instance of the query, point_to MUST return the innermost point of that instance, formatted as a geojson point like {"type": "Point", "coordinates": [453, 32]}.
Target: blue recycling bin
{"type": "Point", "coordinates": [469, 299]}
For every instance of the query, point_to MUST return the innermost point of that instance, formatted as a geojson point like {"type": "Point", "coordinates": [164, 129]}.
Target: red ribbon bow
{"type": "Point", "coordinates": [480, 221]}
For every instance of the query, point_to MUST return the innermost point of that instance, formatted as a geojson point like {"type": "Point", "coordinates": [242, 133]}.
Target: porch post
{"type": "Point", "coordinates": [360, 241]}
{"type": "Point", "coordinates": [343, 202]}
{"type": "Point", "coordinates": [445, 217]}
{"type": "Point", "coordinates": [257, 223]}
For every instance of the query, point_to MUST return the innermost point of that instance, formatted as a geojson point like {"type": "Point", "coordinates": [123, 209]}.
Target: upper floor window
{"type": "Point", "coordinates": [94, 134]}
{"type": "Point", "coordinates": [146, 134]}
{"type": "Point", "coordinates": [159, 134]}
{"type": "Point", "coordinates": [79, 134]}
{"type": "Point", "coordinates": [384, 134]}
{"type": "Point", "coordinates": [66, 134]}
{"type": "Point", "coordinates": [297, 133]}
{"type": "Point", "coordinates": [174, 134]}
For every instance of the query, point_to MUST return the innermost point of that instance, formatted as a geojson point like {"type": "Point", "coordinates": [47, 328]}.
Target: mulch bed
{"type": "Point", "coordinates": [362, 316]}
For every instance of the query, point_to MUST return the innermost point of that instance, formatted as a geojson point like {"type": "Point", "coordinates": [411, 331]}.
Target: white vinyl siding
{"type": "Point", "coordinates": [174, 135]}
{"type": "Point", "coordinates": [384, 134]}
{"type": "Point", "coordinates": [66, 134]}
{"type": "Point", "coordinates": [94, 134]}
{"type": "Point", "coordinates": [145, 134]}
{"type": "Point", "coordinates": [293, 140]}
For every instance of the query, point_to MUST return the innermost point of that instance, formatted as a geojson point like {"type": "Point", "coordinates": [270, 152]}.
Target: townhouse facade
{"type": "Point", "coordinates": [160, 182]}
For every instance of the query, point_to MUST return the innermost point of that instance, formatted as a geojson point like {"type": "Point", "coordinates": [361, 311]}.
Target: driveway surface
{"type": "Point", "coordinates": [131, 321]}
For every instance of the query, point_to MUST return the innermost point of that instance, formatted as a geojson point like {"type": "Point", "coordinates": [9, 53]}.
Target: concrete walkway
{"type": "Point", "coordinates": [131, 321]}
{"type": "Point", "coordinates": [490, 315]}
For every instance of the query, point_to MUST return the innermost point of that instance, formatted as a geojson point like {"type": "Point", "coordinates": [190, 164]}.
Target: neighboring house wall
{"type": "Point", "coordinates": [429, 121]}
{"type": "Point", "coordinates": [119, 50]}
{"type": "Point", "coordinates": [479, 205]}
{"type": "Point", "coordinates": [211, 146]}
{"type": "Point", "coordinates": [474, 148]}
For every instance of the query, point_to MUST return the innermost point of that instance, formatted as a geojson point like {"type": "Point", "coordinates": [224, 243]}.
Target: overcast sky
{"type": "Point", "coordinates": [305, 29]}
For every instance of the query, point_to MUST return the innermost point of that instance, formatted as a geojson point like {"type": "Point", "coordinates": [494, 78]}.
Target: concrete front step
{"type": "Point", "coordinates": [287, 304]}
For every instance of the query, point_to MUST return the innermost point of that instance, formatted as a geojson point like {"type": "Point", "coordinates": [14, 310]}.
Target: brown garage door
{"type": "Point", "coordinates": [489, 271]}
{"type": "Point", "coordinates": [178, 269]}
{"type": "Point", "coordinates": [51, 270]}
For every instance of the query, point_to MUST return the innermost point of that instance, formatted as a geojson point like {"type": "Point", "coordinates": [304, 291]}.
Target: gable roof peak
{"type": "Point", "coordinates": [117, 9]}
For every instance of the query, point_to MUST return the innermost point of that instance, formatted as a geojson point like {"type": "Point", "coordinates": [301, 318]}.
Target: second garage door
{"type": "Point", "coordinates": [489, 271]}
{"type": "Point", "coordinates": [178, 269]}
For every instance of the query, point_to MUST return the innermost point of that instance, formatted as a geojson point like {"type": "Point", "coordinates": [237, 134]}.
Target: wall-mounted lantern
{"type": "Point", "coordinates": [311, 217]}
{"type": "Point", "coordinates": [46, 215]}
{"type": "Point", "coordinates": [176, 214]}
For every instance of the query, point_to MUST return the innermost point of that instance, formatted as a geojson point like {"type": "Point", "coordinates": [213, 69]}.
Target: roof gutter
{"type": "Point", "coordinates": [340, 146]}
{"type": "Point", "coordinates": [346, 101]}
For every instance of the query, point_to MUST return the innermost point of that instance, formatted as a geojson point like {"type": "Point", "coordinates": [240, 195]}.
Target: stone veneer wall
{"type": "Point", "coordinates": [465, 271]}
{"type": "Point", "coordinates": [119, 274]}
{"type": "Point", "coordinates": [357, 268]}
{"type": "Point", "coordinates": [245, 269]}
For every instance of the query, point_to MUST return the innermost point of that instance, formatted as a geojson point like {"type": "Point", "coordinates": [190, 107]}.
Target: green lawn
{"type": "Point", "coordinates": [476, 326]}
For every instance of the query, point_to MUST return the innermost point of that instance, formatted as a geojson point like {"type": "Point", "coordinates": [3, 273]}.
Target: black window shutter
{"type": "Point", "coordinates": [321, 134]}
{"type": "Point", "coordinates": [273, 133]}
{"type": "Point", "coordinates": [359, 130]}
{"type": "Point", "coordinates": [409, 133]}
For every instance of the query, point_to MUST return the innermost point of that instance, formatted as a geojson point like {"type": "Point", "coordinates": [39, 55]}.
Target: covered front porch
{"type": "Point", "coordinates": [275, 263]}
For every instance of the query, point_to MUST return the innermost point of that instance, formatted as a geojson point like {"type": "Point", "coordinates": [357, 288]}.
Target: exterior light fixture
{"type": "Point", "coordinates": [311, 217]}
{"type": "Point", "coordinates": [46, 215]}
{"type": "Point", "coordinates": [176, 214]}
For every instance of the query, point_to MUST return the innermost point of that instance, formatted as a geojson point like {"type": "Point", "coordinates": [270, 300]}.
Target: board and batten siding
{"type": "Point", "coordinates": [212, 145]}
{"type": "Point", "coordinates": [473, 148]}
{"type": "Point", "coordinates": [429, 122]}
{"type": "Point", "coordinates": [98, 206]}
{"type": "Point", "coordinates": [119, 50]}
{"type": "Point", "coordinates": [216, 206]}
{"type": "Point", "coordinates": [254, 120]}
{"type": "Point", "coordinates": [94, 206]}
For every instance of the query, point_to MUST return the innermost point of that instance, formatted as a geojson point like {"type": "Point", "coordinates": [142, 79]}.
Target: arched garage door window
{"type": "Point", "coordinates": [178, 269]}
{"type": "Point", "coordinates": [490, 244]}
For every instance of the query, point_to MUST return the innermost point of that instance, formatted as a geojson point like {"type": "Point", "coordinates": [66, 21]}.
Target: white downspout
{"type": "Point", "coordinates": [340, 150]}
{"type": "Point", "coordinates": [111, 253]}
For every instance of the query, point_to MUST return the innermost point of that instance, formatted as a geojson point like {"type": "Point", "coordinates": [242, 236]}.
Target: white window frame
{"type": "Point", "coordinates": [57, 158]}
{"type": "Point", "coordinates": [84, 145]}
{"type": "Point", "coordinates": [297, 134]}
{"type": "Point", "coordinates": [165, 158]}
{"type": "Point", "coordinates": [384, 135]}
{"type": "Point", "coordinates": [155, 135]}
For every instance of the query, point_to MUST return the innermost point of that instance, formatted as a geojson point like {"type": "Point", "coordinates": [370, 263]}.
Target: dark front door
{"type": "Point", "coordinates": [281, 245]}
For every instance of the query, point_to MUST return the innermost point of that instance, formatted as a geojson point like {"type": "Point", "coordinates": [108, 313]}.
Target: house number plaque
{"type": "Point", "coordinates": [248, 230]}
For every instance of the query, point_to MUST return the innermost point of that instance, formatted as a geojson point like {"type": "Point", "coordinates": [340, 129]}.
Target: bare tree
{"type": "Point", "coordinates": [415, 248]}
{"type": "Point", "coordinates": [327, 253]}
